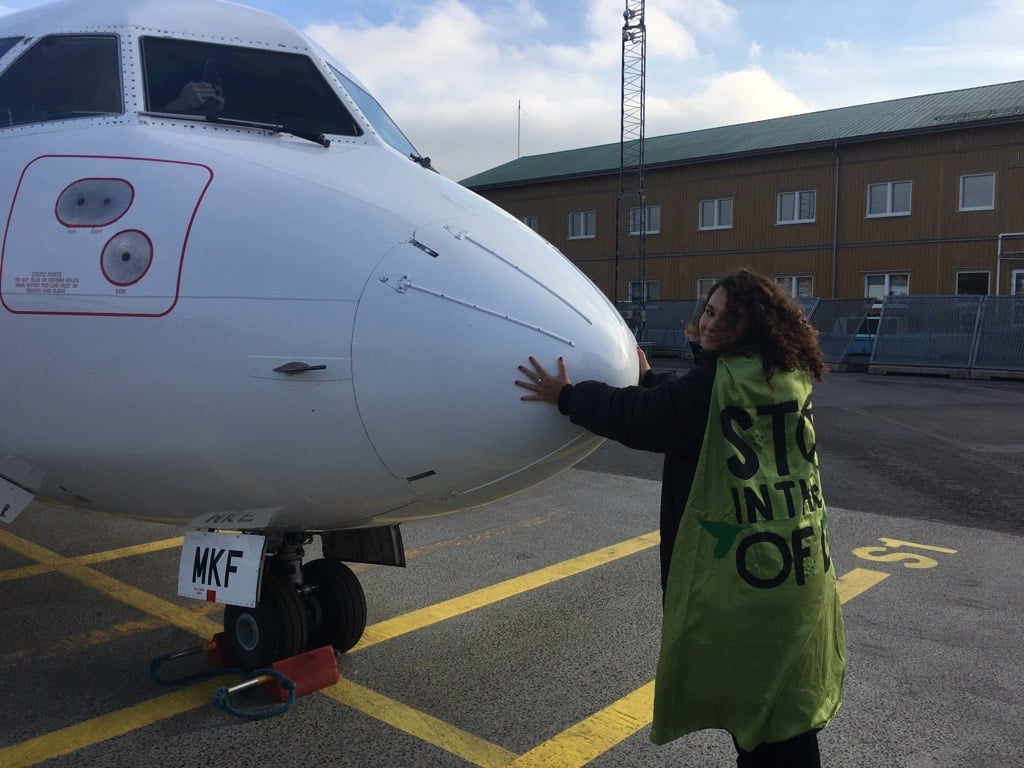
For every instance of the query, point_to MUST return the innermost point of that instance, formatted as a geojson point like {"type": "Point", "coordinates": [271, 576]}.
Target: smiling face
{"type": "Point", "coordinates": [717, 329]}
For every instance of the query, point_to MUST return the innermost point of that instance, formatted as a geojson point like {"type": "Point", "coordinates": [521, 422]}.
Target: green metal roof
{"type": "Point", "coordinates": [932, 112]}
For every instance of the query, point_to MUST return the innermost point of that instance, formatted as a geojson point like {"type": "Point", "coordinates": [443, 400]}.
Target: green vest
{"type": "Point", "coordinates": [752, 639]}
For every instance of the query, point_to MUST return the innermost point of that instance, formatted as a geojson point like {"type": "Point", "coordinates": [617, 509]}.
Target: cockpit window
{"type": "Point", "coordinates": [378, 118]}
{"type": "Point", "coordinates": [62, 77]}
{"type": "Point", "coordinates": [6, 43]}
{"type": "Point", "coordinates": [246, 84]}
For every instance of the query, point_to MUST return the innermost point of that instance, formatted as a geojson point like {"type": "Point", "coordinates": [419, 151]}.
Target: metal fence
{"type": "Point", "coordinates": [844, 329]}
{"type": "Point", "coordinates": [969, 336]}
{"type": "Point", "coordinates": [927, 331]}
{"type": "Point", "coordinates": [1000, 345]}
{"type": "Point", "coordinates": [966, 336]}
{"type": "Point", "coordinates": [661, 329]}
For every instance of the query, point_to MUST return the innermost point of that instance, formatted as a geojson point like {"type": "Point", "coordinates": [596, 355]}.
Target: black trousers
{"type": "Point", "coordinates": [799, 752]}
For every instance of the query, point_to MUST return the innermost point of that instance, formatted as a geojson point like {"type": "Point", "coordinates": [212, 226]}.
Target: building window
{"type": "Point", "coordinates": [972, 283]}
{"type": "Point", "coordinates": [715, 214]}
{"type": "Point", "coordinates": [582, 224]}
{"type": "Point", "coordinates": [889, 284]}
{"type": "Point", "coordinates": [796, 207]}
{"type": "Point", "coordinates": [797, 286]}
{"type": "Point", "coordinates": [889, 198]}
{"type": "Point", "coordinates": [646, 219]}
{"type": "Point", "coordinates": [1017, 282]}
{"type": "Point", "coordinates": [646, 291]}
{"type": "Point", "coordinates": [533, 222]}
{"type": "Point", "coordinates": [704, 285]}
{"type": "Point", "coordinates": [977, 192]}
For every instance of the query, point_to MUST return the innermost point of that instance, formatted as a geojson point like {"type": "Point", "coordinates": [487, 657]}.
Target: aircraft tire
{"type": "Point", "coordinates": [339, 604]}
{"type": "Point", "coordinates": [275, 629]}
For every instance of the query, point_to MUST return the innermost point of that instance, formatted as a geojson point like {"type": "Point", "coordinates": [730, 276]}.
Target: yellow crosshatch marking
{"type": "Point", "coordinates": [98, 557]}
{"type": "Point", "coordinates": [575, 746]}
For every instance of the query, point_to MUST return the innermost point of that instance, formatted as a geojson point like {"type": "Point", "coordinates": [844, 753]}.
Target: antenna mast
{"type": "Point", "coordinates": [519, 126]}
{"type": "Point", "coordinates": [631, 154]}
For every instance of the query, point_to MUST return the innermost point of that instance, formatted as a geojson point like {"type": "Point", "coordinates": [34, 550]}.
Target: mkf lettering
{"type": "Point", "coordinates": [206, 567]}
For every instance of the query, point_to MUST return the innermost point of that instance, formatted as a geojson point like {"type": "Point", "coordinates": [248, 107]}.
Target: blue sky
{"type": "Point", "coordinates": [475, 83]}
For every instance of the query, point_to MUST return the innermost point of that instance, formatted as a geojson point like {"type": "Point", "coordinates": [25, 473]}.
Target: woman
{"type": "Point", "coordinates": [752, 637]}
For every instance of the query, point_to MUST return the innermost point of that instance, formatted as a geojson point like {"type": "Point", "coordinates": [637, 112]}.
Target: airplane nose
{"type": "Point", "coordinates": [442, 325]}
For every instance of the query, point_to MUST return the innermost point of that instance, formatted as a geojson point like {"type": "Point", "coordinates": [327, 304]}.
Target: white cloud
{"type": "Point", "coordinates": [452, 77]}
{"type": "Point", "coordinates": [730, 98]}
{"type": "Point", "coordinates": [451, 72]}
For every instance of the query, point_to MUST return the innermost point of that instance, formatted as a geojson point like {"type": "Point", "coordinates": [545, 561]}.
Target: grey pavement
{"type": "Point", "coordinates": [923, 480]}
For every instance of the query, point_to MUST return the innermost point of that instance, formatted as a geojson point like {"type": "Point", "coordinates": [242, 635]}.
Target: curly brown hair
{"type": "Point", "coordinates": [776, 325]}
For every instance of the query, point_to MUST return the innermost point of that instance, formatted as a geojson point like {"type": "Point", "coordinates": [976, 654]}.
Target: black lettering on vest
{"type": "Point", "coordinates": [787, 486]}
{"type": "Point", "coordinates": [778, 412]}
{"type": "Point", "coordinates": [767, 538]}
{"type": "Point", "coordinates": [800, 552]}
{"type": "Point", "coordinates": [749, 465]}
{"type": "Point", "coordinates": [758, 503]}
{"type": "Point", "coordinates": [805, 432]}
{"type": "Point", "coordinates": [811, 494]}
{"type": "Point", "coordinates": [736, 504]}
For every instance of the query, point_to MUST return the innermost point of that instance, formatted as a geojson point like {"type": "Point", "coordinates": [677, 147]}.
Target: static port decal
{"type": "Point", "coordinates": [99, 235]}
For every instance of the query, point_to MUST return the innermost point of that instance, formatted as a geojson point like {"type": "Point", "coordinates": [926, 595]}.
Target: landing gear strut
{"type": "Point", "coordinates": [301, 607]}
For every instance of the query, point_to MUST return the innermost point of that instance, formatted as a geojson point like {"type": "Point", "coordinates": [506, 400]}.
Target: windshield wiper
{"type": "Point", "coordinates": [424, 161]}
{"type": "Point", "coordinates": [313, 136]}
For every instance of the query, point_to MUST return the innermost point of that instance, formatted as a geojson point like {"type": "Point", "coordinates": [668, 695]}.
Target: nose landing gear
{"type": "Point", "coordinates": [301, 607]}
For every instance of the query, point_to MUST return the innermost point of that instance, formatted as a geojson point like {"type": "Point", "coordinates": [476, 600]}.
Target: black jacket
{"type": "Point", "coordinates": [666, 414]}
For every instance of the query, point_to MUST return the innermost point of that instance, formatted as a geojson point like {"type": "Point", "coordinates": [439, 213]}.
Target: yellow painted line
{"type": "Point", "coordinates": [586, 740]}
{"type": "Point", "coordinates": [576, 746]}
{"type": "Point", "coordinates": [124, 629]}
{"type": "Point", "coordinates": [108, 726]}
{"type": "Point", "coordinates": [92, 559]}
{"type": "Point", "coordinates": [77, 643]}
{"type": "Point", "coordinates": [80, 642]}
{"type": "Point", "coordinates": [857, 581]}
{"type": "Point", "coordinates": [175, 615]}
{"type": "Point", "coordinates": [402, 717]}
{"type": "Point", "coordinates": [25, 571]}
{"type": "Point", "coordinates": [592, 737]}
{"type": "Point", "coordinates": [443, 735]}
{"type": "Point", "coordinates": [432, 614]}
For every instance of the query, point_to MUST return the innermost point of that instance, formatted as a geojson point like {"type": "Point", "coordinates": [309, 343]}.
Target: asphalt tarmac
{"type": "Point", "coordinates": [525, 633]}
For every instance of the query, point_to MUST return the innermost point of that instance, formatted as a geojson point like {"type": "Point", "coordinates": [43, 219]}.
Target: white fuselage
{"type": "Point", "coordinates": [155, 395]}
